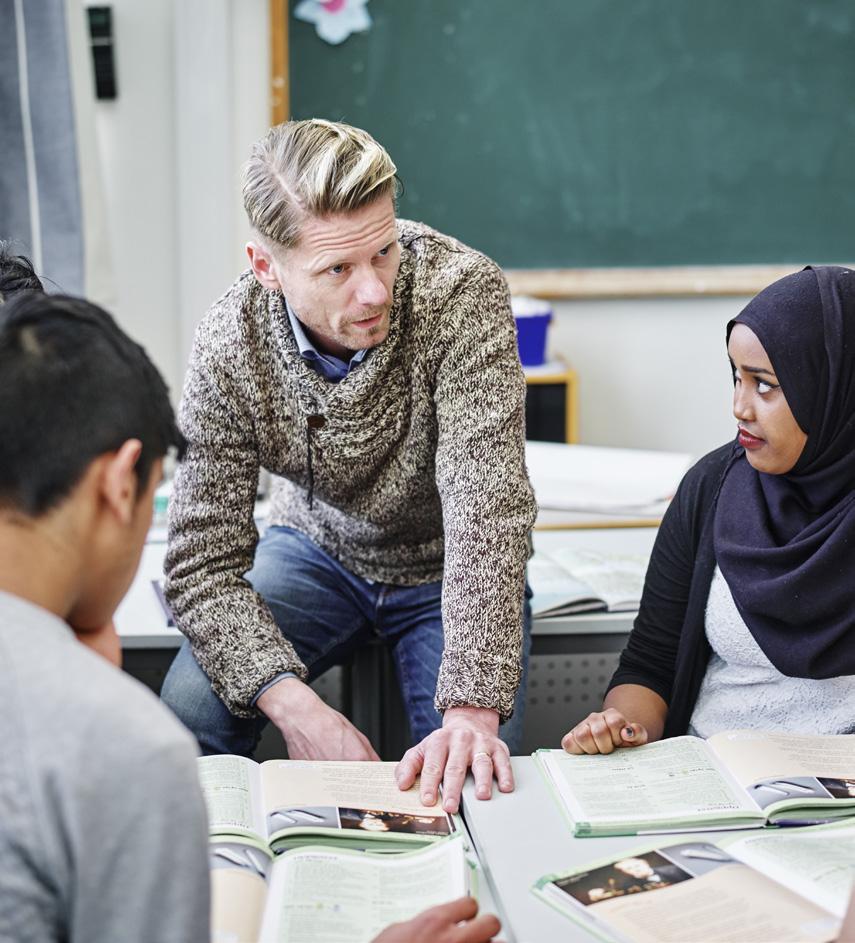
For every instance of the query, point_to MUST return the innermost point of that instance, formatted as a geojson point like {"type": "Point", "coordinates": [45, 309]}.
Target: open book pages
{"type": "Point", "coordinates": [288, 803]}
{"type": "Point", "coordinates": [606, 480]}
{"type": "Point", "coordinates": [792, 885]}
{"type": "Point", "coordinates": [318, 893]}
{"type": "Point", "coordinates": [566, 581]}
{"type": "Point", "coordinates": [736, 779]}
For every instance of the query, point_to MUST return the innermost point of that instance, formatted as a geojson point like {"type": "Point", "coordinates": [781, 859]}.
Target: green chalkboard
{"type": "Point", "coordinates": [563, 133]}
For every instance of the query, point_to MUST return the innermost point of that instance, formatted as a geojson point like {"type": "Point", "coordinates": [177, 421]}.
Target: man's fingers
{"type": "Point", "coordinates": [409, 768]}
{"type": "Point", "coordinates": [482, 773]}
{"type": "Point", "coordinates": [370, 752]}
{"type": "Point", "coordinates": [454, 777]}
{"type": "Point", "coordinates": [502, 768]}
{"type": "Point", "coordinates": [432, 769]}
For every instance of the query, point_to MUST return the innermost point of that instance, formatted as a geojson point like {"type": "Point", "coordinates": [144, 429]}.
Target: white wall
{"type": "Point", "coordinates": [192, 78]}
{"type": "Point", "coordinates": [652, 373]}
{"type": "Point", "coordinates": [137, 149]}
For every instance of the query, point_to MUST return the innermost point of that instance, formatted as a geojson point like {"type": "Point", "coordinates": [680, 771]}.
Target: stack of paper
{"type": "Point", "coordinates": [604, 480]}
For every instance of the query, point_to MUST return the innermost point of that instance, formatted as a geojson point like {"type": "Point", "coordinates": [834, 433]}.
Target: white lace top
{"type": "Point", "coordinates": [742, 689]}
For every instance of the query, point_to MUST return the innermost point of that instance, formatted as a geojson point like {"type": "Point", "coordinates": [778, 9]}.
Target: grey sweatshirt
{"type": "Point", "coordinates": [415, 471]}
{"type": "Point", "coordinates": [103, 833]}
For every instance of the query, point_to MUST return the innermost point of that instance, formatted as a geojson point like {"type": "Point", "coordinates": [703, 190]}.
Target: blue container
{"type": "Point", "coordinates": [532, 317]}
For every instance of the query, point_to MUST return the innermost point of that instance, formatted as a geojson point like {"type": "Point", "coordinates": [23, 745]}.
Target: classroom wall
{"type": "Point", "coordinates": [653, 373]}
{"type": "Point", "coordinates": [192, 81]}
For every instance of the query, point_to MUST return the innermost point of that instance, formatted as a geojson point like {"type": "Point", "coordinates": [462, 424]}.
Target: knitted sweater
{"type": "Point", "coordinates": [410, 470]}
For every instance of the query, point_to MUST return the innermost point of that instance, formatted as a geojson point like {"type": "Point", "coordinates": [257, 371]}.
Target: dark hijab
{"type": "Point", "coordinates": [786, 543]}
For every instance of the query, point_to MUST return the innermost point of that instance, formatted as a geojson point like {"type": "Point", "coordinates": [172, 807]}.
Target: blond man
{"type": "Point", "coordinates": [369, 363]}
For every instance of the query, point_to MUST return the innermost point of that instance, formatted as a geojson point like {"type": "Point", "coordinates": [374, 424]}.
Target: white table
{"type": "Point", "coordinates": [521, 836]}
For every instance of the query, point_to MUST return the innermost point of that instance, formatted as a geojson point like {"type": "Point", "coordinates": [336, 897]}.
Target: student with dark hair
{"type": "Point", "coordinates": [103, 834]}
{"type": "Point", "coordinates": [16, 274]}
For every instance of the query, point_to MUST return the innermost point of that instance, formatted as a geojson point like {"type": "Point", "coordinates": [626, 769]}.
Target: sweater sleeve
{"type": "Point", "coordinates": [212, 540]}
{"type": "Point", "coordinates": [487, 502]}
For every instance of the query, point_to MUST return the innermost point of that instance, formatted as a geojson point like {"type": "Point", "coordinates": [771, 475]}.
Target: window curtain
{"type": "Point", "coordinates": [51, 207]}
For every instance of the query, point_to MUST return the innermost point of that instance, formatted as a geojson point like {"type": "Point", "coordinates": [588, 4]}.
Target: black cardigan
{"type": "Point", "coordinates": [667, 649]}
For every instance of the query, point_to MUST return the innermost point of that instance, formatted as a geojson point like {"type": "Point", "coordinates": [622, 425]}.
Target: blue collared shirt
{"type": "Point", "coordinates": [330, 368]}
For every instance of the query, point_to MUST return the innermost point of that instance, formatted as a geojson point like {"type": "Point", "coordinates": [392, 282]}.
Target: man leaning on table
{"type": "Point", "coordinates": [369, 364]}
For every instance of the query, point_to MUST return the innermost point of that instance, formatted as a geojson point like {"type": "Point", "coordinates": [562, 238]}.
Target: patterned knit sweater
{"type": "Point", "coordinates": [410, 470]}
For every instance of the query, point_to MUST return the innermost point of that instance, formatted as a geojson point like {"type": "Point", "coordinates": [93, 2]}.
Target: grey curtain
{"type": "Point", "coordinates": [40, 191]}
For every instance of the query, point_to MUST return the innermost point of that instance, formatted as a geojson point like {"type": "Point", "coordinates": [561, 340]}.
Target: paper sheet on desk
{"type": "Point", "coordinates": [604, 480]}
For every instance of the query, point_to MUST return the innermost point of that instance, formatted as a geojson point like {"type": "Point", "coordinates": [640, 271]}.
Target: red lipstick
{"type": "Point", "coordinates": [748, 441]}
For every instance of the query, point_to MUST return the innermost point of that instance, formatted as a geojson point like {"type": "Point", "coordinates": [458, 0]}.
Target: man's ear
{"type": "Point", "coordinates": [261, 263]}
{"type": "Point", "coordinates": [119, 485]}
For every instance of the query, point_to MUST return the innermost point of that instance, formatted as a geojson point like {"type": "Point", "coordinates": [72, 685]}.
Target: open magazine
{"type": "Point", "coordinates": [319, 893]}
{"type": "Point", "coordinates": [566, 581]}
{"type": "Point", "coordinates": [735, 779]}
{"type": "Point", "coordinates": [284, 804]}
{"type": "Point", "coordinates": [768, 887]}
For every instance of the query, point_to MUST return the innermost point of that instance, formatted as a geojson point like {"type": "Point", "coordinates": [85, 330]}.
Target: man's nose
{"type": "Point", "coordinates": [371, 290]}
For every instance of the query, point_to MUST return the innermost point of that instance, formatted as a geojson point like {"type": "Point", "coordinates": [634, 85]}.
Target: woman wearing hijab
{"type": "Point", "coordinates": [748, 613]}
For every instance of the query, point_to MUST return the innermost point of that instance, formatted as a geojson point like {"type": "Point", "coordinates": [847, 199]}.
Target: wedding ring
{"type": "Point", "coordinates": [482, 753]}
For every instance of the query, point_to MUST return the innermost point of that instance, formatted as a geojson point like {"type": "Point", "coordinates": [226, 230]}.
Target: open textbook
{"type": "Point", "coordinates": [318, 893]}
{"type": "Point", "coordinates": [792, 885]}
{"type": "Point", "coordinates": [735, 779]}
{"type": "Point", "coordinates": [288, 803]}
{"type": "Point", "coordinates": [566, 581]}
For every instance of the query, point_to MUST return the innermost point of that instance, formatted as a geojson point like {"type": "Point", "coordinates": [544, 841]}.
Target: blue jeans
{"type": "Point", "coordinates": [327, 612]}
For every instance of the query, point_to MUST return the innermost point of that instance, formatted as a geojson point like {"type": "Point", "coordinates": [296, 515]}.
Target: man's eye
{"type": "Point", "coordinates": [384, 250]}
{"type": "Point", "coordinates": [337, 269]}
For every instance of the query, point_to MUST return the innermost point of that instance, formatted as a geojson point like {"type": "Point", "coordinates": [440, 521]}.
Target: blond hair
{"type": "Point", "coordinates": [312, 168]}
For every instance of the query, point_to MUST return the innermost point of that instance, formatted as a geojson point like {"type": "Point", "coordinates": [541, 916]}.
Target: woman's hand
{"type": "Point", "coordinates": [603, 732]}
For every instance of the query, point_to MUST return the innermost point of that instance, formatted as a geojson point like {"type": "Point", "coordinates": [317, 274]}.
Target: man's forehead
{"type": "Point", "coordinates": [369, 227]}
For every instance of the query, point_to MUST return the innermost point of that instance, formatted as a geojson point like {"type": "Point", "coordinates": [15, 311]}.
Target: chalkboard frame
{"type": "Point", "coordinates": [566, 283]}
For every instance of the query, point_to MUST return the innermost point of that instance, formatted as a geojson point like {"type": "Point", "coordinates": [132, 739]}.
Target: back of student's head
{"type": "Point", "coordinates": [16, 274]}
{"type": "Point", "coordinates": [73, 386]}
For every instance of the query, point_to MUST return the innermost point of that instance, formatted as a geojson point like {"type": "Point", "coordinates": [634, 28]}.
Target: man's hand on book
{"type": "Point", "coordinates": [443, 925]}
{"type": "Point", "coordinates": [312, 730]}
{"type": "Point", "coordinates": [469, 736]}
{"type": "Point", "coordinates": [603, 732]}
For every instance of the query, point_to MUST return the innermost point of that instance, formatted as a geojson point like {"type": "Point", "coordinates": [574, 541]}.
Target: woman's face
{"type": "Point", "coordinates": [768, 431]}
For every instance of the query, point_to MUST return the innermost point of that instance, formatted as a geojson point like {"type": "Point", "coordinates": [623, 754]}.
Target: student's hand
{"type": "Point", "coordinates": [603, 732]}
{"type": "Point", "coordinates": [443, 925]}
{"type": "Point", "coordinates": [469, 736]}
{"type": "Point", "coordinates": [312, 730]}
{"type": "Point", "coordinates": [103, 640]}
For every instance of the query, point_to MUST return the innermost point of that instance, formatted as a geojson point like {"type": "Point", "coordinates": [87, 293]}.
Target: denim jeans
{"type": "Point", "coordinates": [327, 612]}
